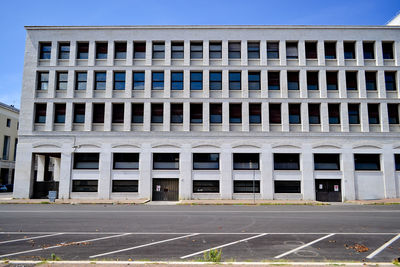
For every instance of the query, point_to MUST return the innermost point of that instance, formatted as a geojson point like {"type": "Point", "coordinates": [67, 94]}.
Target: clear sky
{"type": "Point", "coordinates": [15, 14]}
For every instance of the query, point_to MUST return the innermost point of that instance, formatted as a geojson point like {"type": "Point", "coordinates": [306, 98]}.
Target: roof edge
{"type": "Point", "coordinates": [10, 108]}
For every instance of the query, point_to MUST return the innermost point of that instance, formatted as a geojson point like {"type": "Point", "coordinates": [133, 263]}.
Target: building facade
{"type": "Point", "coordinates": [8, 135]}
{"type": "Point", "coordinates": [211, 112]}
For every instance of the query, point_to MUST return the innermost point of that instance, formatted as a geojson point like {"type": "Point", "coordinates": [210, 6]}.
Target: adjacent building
{"type": "Point", "coordinates": [210, 112]}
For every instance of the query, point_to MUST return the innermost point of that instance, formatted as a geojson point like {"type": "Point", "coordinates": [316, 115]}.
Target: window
{"type": "Point", "coordinates": [291, 50]}
{"type": "Point", "coordinates": [216, 113]}
{"type": "Point", "coordinates": [177, 113]}
{"type": "Point", "coordinates": [128, 186]}
{"type": "Point", "coordinates": [101, 50]}
{"type": "Point", "coordinates": [157, 113]}
{"type": "Point", "coordinates": [84, 185]}
{"type": "Point", "coordinates": [330, 50]}
{"type": "Point", "coordinates": [254, 81]}
{"type": "Point", "coordinates": [393, 113]}
{"type": "Point", "coordinates": [120, 50]}
{"type": "Point", "coordinates": [349, 50]}
{"type": "Point", "coordinates": [368, 49]}
{"type": "Point", "coordinates": [83, 51]}
{"type": "Point", "coordinates": [287, 187]}
{"type": "Point", "coordinates": [293, 80]}
{"type": "Point", "coordinates": [124, 186]}
{"type": "Point", "coordinates": [86, 161]}
{"type": "Point", "coordinates": [63, 50]}
{"type": "Point", "coordinates": [177, 50]}
{"type": "Point", "coordinates": [165, 161]}
{"type": "Point", "coordinates": [390, 81]}
{"type": "Point", "coordinates": [59, 113]}
{"type": "Point", "coordinates": [275, 113]}
{"type": "Point", "coordinates": [367, 162]}
{"type": "Point", "coordinates": [370, 80]}
{"type": "Point", "coordinates": [205, 161]}
{"type": "Point", "coordinates": [139, 50]}
{"type": "Point", "coordinates": [311, 50]}
{"type": "Point", "coordinates": [272, 50]}
{"type": "Point", "coordinates": [253, 50]}
{"type": "Point", "coordinates": [8, 124]}
{"type": "Point", "coordinates": [235, 113]}
{"type": "Point", "coordinates": [326, 162]}
{"type": "Point", "coordinates": [100, 81]}
{"type": "Point", "coordinates": [80, 81]}
{"type": "Point", "coordinates": [137, 113]}
{"type": "Point", "coordinates": [62, 80]}
{"type": "Point", "coordinates": [117, 113]}
{"type": "Point", "coordinates": [351, 80]}
{"type": "Point", "coordinates": [205, 186]}
{"type": "Point", "coordinates": [331, 80]}
{"type": "Point", "coordinates": [250, 186]}
{"type": "Point", "coordinates": [158, 50]}
{"type": "Point", "coordinates": [196, 50]}
{"type": "Point", "coordinates": [177, 80]}
{"type": "Point", "coordinates": [397, 161]}
{"type": "Point", "coordinates": [196, 113]}
{"type": "Point", "coordinates": [246, 161]}
{"type": "Point", "coordinates": [314, 114]}
{"type": "Point", "coordinates": [43, 81]}
{"type": "Point", "coordinates": [234, 50]}
{"type": "Point", "coordinates": [254, 113]}
{"type": "Point", "coordinates": [45, 50]}
{"type": "Point", "coordinates": [215, 50]}
{"type": "Point", "coordinates": [334, 113]}
{"type": "Point", "coordinates": [373, 113]}
{"type": "Point", "coordinates": [15, 149]}
{"type": "Point", "coordinates": [273, 80]}
{"type": "Point", "coordinates": [312, 80]}
{"type": "Point", "coordinates": [196, 81]}
{"type": "Point", "coordinates": [215, 80]}
{"type": "Point", "coordinates": [235, 81]}
{"type": "Point", "coordinates": [387, 49]}
{"type": "Point", "coordinates": [157, 82]}
{"type": "Point", "coordinates": [286, 161]}
{"type": "Point", "coordinates": [119, 80]}
{"type": "Point", "coordinates": [6, 147]}
{"type": "Point", "coordinates": [126, 161]}
{"type": "Point", "coordinates": [98, 113]}
{"type": "Point", "coordinates": [79, 113]}
{"type": "Point", "coordinates": [354, 114]}
{"type": "Point", "coordinates": [294, 114]}
{"type": "Point", "coordinates": [138, 81]}
{"type": "Point", "coordinates": [40, 113]}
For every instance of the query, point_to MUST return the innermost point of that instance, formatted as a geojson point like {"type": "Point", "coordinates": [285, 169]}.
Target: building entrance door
{"type": "Point", "coordinates": [328, 190]}
{"type": "Point", "coordinates": [165, 189]}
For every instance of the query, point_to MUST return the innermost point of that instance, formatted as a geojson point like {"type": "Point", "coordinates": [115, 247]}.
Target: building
{"type": "Point", "coordinates": [211, 112]}
{"type": "Point", "coordinates": [8, 146]}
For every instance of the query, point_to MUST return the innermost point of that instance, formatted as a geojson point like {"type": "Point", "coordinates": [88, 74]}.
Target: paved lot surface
{"type": "Point", "coordinates": [177, 233]}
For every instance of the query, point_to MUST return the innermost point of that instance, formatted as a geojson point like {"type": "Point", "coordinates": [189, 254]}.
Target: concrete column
{"type": "Point", "coordinates": [110, 53]}
{"type": "Point", "coordinates": [389, 173]}
{"type": "Point", "coordinates": [88, 116]}
{"type": "Point", "coordinates": [265, 117]}
{"type": "Point", "coordinates": [282, 52]}
{"type": "Point", "coordinates": [206, 53]}
{"type": "Point", "coordinates": [128, 84]}
{"type": "Point", "coordinates": [109, 84]}
{"type": "Point", "coordinates": [263, 52]}
{"type": "Point", "coordinates": [225, 60]}
{"type": "Point", "coordinates": [324, 117]}
{"type": "Point", "coordinates": [284, 84]}
{"type": "Point", "coordinates": [149, 51]}
{"type": "Point", "coordinates": [305, 124]}
{"type": "Point", "coordinates": [49, 116]}
{"type": "Point", "coordinates": [245, 83]}
{"type": "Point", "coordinates": [383, 113]}
{"type": "Point", "coordinates": [54, 54]}
{"type": "Point", "coordinates": [321, 53]}
{"type": "Point", "coordinates": [397, 53]}
{"type": "Point", "coordinates": [64, 187]}
{"type": "Point", "coordinates": [225, 117]}
{"type": "Point", "coordinates": [127, 116]}
{"type": "Point", "coordinates": [129, 53]}
{"type": "Point", "coordinates": [344, 117]}
{"type": "Point", "coordinates": [322, 84]}
{"type": "Point", "coordinates": [168, 52]}
{"type": "Point", "coordinates": [167, 117]}
{"type": "Point", "coordinates": [92, 55]}
{"type": "Point", "coordinates": [226, 183]}
{"type": "Point", "coordinates": [89, 84]}
{"type": "Point", "coordinates": [51, 91]}
{"type": "Point", "coordinates": [24, 169]}
{"type": "Point", "coordinates": [107, 116]}
{"type": "Point", "coordinates": [340, 53]}
{"type": "Point", "coordinates": [167, 83]}
{"type": "Point", "coordinates": [378, 53]}
{"type": "Point", "coordinates": [245, 117]}
{"type": "Point", "coordinates": [206, 84]}
{"type": "Point", "coordinates": [147, 116]}
{"type": "Point", "coordinates": [56, 169]}
{"type": "Point", "coordinates": [348, 183]}
{"type": "Point", "coordinates": [147, 84]}
{"type": "Point", "coordinates": [71, 84]}
{"type": "Point", "coordinates": [381, 84]}
{"type": "Point", "coordinates": [41, 163]}
{"type": "Point", "coordinates": [285, 117]}
{"type": "Point", "coordinates": [225, 84]}
{"type": "Point", "coordinates": [186, 53]}
{"type": "Point", "coordinates": [362, 90]}
{"type": "Point", "coordinates": [264, 83]}
{"type": "Point", "coordinates": [359, 53]}
{"type": "Point", "coordinates": [68, 116]}
{"type": "Point", "coordinates": [364, 117]}
{"type": "Point", "coordinates": [206, 117]}
{"type": "Point", "coordinates": [243, 53]}
{"type": "Point", "coordinates": [145, 166]}
{"type": "Point", "coordinates": [186, 116]}
{"type": "Point", "coordinates": [72, 54]}
{"type": "Point", "coordinates": [186, 83]}
{"type": "Point", "coordinates": [307, 173]}
{"type": "Point", "coordinates": [104, 188]}
{"type": "Point", "coordinates": [301, 50]}
{"type": "Point", "coordinates": [267, 172]}
{"type": "Point", "coordinates": [185, 167]}
{"type": "Point", "coordinates": [342, 84]}
{"type": "Point", "coordinates": [303, 84]}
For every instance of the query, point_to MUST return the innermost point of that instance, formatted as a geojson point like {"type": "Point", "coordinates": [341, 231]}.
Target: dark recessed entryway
{"type": "Point", "coordinates": [165, 189]}
{"type": "Point", "coordinates": [328, 190]}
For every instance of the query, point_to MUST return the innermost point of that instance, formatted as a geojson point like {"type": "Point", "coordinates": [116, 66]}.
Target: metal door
{"type": "Point", "coordinates": [328, 190]}
{"type": "Point", "coordinates": [165, 189]}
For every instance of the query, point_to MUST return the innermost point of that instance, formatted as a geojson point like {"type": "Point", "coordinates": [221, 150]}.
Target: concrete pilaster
{"type": "Point", "coordinates": [88, 116]}
{"type": "Point", "coordinates": [303, 83]}
{"type": "Point", "coordinates": [263, 52]}
{"type": "Point", "coordinates": [243, 53]}
{"type": "Point", "coordinates": [104, 188]}
{"type": "Point", "coordinates": [389, 174]}
{"type": "Point", "coordinates": [267, 173]}
{"type": "Point", "coordinates": [245, 83]}
{"type": "Point", "coordinates": [284, 84]}
{"type": "Point", "coordinates": [324, 117]}
{"type": "Point", "coordinates": [127, 117]}
{"type": "Point", "coordinates": [265, 117]}
{"type": "Point", "coordinates": [301, 50]}
{"type": "Point", "coordinates": [321, 53]}
{"type": "Point", "coordinates": [68, 116]}
{"type": "Point", "coordinates": [285, 117]}
{"type": "Point", "coordinates": [340, 52]}
{"type": "Point", "coordinates": [64, 187]}
{"type": "Point", "coordinates": [378, 53]}
{"type": "Point", "coordinates": [383, 113]}
{"type": "Point", "coordinates": [49, 117]}
{"type": "Point", "coordinates": [226, 184]}
{"type": "Point", "coordinates": [362, 90]}
{"type": "Point", "coordinates": [72, 53]}
{"type": "Point", "coordinates": [307, 170]}
{"type": "Point", "coordinates": [24, 168]}
{"type": "Point", "coordinates": [91, 55]}
{"type": "Point", "coordinates": [344, 117]}
{"type": "Point", "coordinates": [225, 59]}
{"type": "Point", "coordinates": [41, 163]}
{"type": "Point", "coordinates": [168, 52]}
{"type": "Point", "coordinates": [225, 84]}
{"type": "Point", "coordinates": [206, 117]}
{"type": "Point", "coordinates": [305, 125]}
{"type": "Point", "coordinates": [186, 116]}
{"type": "Point", "coordinates": [359, 53]}
{"type": "Point", "coordinates": [225, 116]}
{"type": "Point", "coordinates": [348, 183]}
{"type": "Point", "coordinates": [129, 53]}
{"type": "Point", "coordinates": [381, 84]}
{"type": "Point", "coordinates": [146, 116]}
{"type": "Point", "coordinates": [71, 84]}
{"type": "Point", "coordinates": [145, 166]}
{"type": "Point", "coordinates": [107, 116]}
{"type": "Point", "coordinates": [89, 84]}
{"type": "Point", "coordinates": [342, 84]}
{"type": "Point", "coordinates": [167, 117]}
{"type": "Point", "coordinates": [147, 83]}
{"type": "Point", "coordinates": [322, 84]}
{"type": "Point", "coordinates": [110, 53]}
{"type": "Point", "coordinates": [364, 117]}
{"type": "Point", "coordinates": [56, 169]}
{"type": "Point", "coordinates": [282, 53]}
{"type": "Point", "coordinates": [185, 167]}
{"type": "Point", "coordinates": [245, 117]}
{"type": "Point", "coordinates": [206, 54]}
{"type": "Point", "coordinates": [149, 53]}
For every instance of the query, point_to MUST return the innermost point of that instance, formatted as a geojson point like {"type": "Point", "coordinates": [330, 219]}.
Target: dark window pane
{"type": "Point", "coordinates": [332, 80]}
{"type": "Point", "coordinates": [158, 80]}
{"type": "Point", "coordinates": [117, 113]}
{"type": "Point", "coordinates": [293, 80]}
{"type": "Point", "coordinates": [166, 161]}
{"type": "Point", "coordinates": [101, 50]}
{"type": "Point", "coordinates": [291, 50]}
{"type": "Point", "coordinates": [273, 80]}
{"type": "Point", "coordinates": [100, 81]}
{"type": "Point", "coordinates": [235, 113]}
{"type": "Point", "coordinates": [86, 160]}
{"type": "Point", "coordinates": [158, 51]}
{"type": "Point", "coordinates": [40, 113]}
{"type": "Point", "coordinates": [286, 161]}
{"type": "Point", "coordinates": [79, 113]}
{"type": "Point", "coordinates": [253, 50]}
{"type": "Point", "coordinates": [373, 113]}
{"type": "Point", "coordinates": [157, 113]}
{"type": "Point", "coordinates": [81, 81]}
{"type": "Point", "coordinates": [326, 162]}
{"type": "Point", "coordinates": [235, 81]}
{"type": "Point", "coordinates": [351, 80]}
{"type": "Point", "coordinates": [196, 50]}
{"type": "Point", "coordinates": [215, 81]}
{"type": "Point", "coordinates": [254, 113]}
{"type": "Point", "coordinates": [177, 81]}
{"type": "Point", "coordinates": [119, 80]}
{"type": "Point", "coordinates": [330, 50]}
{"type": "Point", "coordinates": [98, 113]}
{"type": "Point", "coordinates": [84, 185]}
{"type": "Point", "coordinates": [137, 113]}
{"type": "Point", "coordinates": [312, 80]}
{"type": "Point", "coordinates": [205, 161]}
{"type": "Point", "coordinates": [139, 50]}
{"type": "Point", "coordinates": [138, 81]}
{"type": "Point", "coordinates": [63, 51]}
{"type": "Point", "coordinates": [177, 113]}
{"type": "Point", "coordinates": [368, 49]}
{"type": "Point", "coordinates": [272, 50]}
{"type": "Point", "coordinates": [234, 50]}
{"type": "Point", "coordinates": [196, 81]}
{"type": "Point", "coordinates": [367, 162]}
{"type": "Point", "coordinates": [126, 161]}
{"type": "Point", "coordinates": [83, 51]}
{"type": "Point", "coordinates": [216, 113]}
{"type": "Point", "coordinates": [349, 50]}
{"type": "Point", "coordinates": [196, 113]}
{"type": "Point", "coordinates": [393, 113]}
{"type": "Point", "coordinates": [125, 186]}
{"type": "Point", "coordinates": [59, 113]}
{"type": "Point", "coordinates": [246, 161]}
{"type": "Point", "coordinates": [311, 50]}
{"type": "Point", "coordinates": [205, 186]}
{"type": "Point", "coordinates": [120, 50]}
{"type": "Point", "coordinates": [215, 50]}
{"type": "Point", "coordinates": [387, 49]}
{"type": "Point", "coordinates": [45, 50]}
{"type": "Point", "coordinates": [370, 80]}
{"type": "Point", "coordinates": [275, 113]}
{"type": "Point", "coordinates": [314, 114]}
{"type": "Point", "coordinates": [390, 81]}
{"type": "Point", "coordinates": [334, 113]}
{"type": "Point", "coordinates": [294, 114]}
{"type": "Point", "coordinates": [287, 187]}
{"type": "Point", "coordinates": [250, 186]}
{"type": "Point", "coordinates": [254, 81]}
{"type": "Point", "coordinates": [177, 50]}
{"type": "Point", "coordinates": [354, 113]}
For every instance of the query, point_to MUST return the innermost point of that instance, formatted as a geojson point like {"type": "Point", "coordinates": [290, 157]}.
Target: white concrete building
{"type": "Point", "coordinates": [220, 112]}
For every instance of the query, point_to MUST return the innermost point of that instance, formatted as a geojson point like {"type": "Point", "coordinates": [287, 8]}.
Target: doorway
{"type": "Point", "coordinates": [165, 190]}
{"type": "Point", "coordinates": [328, 190]}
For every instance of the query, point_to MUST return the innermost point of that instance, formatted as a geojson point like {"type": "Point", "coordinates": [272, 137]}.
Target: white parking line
{"type": "Point", "coordinates": [379, 250]}
{"type": "Point", "coordinates": [222, 246]}
{"type": "Point", "coordinates": [141, 246]}
{"type": "Point", "coordinates": [28, 238]}
{"type": "Point", "coordinates": [303, 246]}
{"type": "Point", "coordinates": [61, 245]}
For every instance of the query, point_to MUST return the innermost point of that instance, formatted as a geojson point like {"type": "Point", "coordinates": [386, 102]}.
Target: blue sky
{"type": "Point", "coordinates": [17, 13]}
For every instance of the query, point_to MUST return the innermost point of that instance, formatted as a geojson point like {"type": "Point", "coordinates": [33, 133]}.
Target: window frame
{"type": "Point", "coordinates": [360, 161]}
{"type": "Point", "coordinates": [138, 84]}
{"type": "Point", "coordinates": [157, 81]}
{"type": "Point", "coordinates": [209, 189]}
{"type": "Point", "coordinates": [206, 161]}
{"type": "Point", "coordinates": [234, 50]}
{"type": "Point", "coordinates": [292, 161]}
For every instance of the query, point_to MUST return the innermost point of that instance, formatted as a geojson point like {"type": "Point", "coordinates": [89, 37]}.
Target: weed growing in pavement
{"type": "Point", "coordinates": [44, 202]}
{"type": "Point", "coordinates": [53, 257]}
{"type": "Point", "coordinates": [213, 255]}
{"type": "Point", "coordinates": [396, 262]}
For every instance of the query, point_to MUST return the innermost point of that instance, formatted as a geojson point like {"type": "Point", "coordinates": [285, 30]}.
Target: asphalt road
{"type": "Point", "coordinates": [243, 233]}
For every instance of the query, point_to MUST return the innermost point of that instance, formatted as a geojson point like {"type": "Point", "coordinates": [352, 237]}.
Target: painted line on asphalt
{"type": "Point", "coordinates": [198, 211]}
{"type": "Point", "coordinates": [222, 246]}
{"type": "Point", "coordinates": [303, 246]}
{"type": "Point", "coordinates": [28, 238]}
{"type": "Point", "coordinates": [141, 246]}
{"type": "Point", "coordinates": [62, 245]}
{"type": "Point", "coordinates": [381, 248]}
